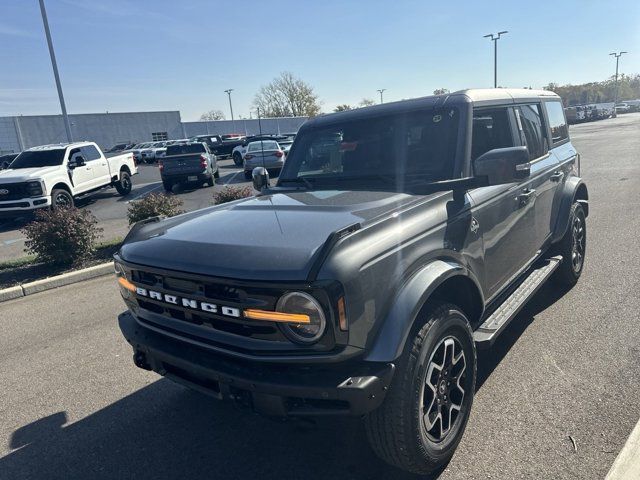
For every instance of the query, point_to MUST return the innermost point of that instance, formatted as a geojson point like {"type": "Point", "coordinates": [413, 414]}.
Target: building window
{"type": "Point", "coordinates": [159, 136]}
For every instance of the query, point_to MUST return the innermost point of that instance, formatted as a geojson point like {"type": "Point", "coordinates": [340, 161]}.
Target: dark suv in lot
{"type": "Point", "coordinates": [397, 240]}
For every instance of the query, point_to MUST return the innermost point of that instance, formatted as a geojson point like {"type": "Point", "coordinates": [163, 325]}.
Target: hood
{"type": "Point", "coordinates": [272, 237]}
{"type": "Point", "coordinates": [25, 174]}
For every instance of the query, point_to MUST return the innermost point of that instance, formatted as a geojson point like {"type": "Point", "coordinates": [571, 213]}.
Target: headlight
{"type": "Point", "coordinates": [302, 303]}
{"type": "Point", "coordinates": [36, 188]}
{"type": "Point", "coordinates": [126, 287]}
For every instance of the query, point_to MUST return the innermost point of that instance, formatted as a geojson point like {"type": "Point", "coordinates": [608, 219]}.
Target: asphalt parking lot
{"type": "Point", "coordinates": [111, 209]}
{"type": "Point", "coordinates": [73, 406]}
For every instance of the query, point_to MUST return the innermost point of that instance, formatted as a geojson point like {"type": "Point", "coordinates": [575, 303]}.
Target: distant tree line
{"type": "Point", "coordinates": [598, 92]}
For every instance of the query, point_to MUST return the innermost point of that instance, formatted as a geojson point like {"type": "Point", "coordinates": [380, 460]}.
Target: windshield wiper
{"type": "Point", "coordinates": [298, 180]}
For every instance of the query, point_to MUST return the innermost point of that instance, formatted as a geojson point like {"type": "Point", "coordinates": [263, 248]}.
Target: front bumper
{"type": "Point", "coordinates": [23, 206]}
{"type": "Point", "coordinates": [281, 390]}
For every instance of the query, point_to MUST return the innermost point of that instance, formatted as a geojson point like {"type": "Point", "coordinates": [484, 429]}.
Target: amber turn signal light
{"type": "Point", "coordinates": [124, 283]}
{"type": "Point", "coordinates": [277, 316]}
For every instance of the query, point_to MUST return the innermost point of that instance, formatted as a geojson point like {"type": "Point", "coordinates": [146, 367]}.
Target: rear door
{"type": "Point", "coordinates": [98, 166]}
{"type": "Point", "coordinates": [532, 132]}
{"type": "Point", "coordinates": [502, 214]}
{"type": "Point", "coordinates": [561, 148]}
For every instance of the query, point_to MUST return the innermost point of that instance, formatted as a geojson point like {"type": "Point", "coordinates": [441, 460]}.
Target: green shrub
{"type": "Point", "coordinates": [230, 193]}
{"type": "Point", "coordinates": [62, 236]}
{"type": "Point", "coordinates": [153, 205]}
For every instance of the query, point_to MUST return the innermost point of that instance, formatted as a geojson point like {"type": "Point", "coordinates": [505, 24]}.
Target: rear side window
{"type": "Point", "coordinates": [557, 122]}
{"type": "Point", "coordinates": [90, 153]}
{"type": "Point", "coordinates": [185, 149]}
{"type": "Point", "coordinates": [491, 129]}
{"type": "Point", "coordinates": [532, 133]}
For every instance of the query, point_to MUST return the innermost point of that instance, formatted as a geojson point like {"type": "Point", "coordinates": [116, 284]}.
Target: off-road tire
{"type": "Point", "coordinates": [568, 273]}
{"type": "Point", "coordinates": [124, 185]}
{"type": "Point", "coordinates": [168, 186]}
{"type": "Point", "coordinates": [396, 430]}
{"type": "Point", "coordinates": [60, 198]}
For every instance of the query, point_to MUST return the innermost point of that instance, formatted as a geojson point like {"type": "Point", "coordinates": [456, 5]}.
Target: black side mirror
{"type": "Point", "coordinates": [260, 177]}
{"type": "Point", "coordinates": [503, 165]}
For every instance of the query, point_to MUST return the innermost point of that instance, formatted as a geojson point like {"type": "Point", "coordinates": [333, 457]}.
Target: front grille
{"type": "Point", "coordinates": [211, 292]}
{"type": "Point", "coordinates": [17, 191]}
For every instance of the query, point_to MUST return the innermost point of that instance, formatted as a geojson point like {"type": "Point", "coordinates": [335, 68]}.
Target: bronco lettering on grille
{"type": "Point", "coordinates": [189, 303]}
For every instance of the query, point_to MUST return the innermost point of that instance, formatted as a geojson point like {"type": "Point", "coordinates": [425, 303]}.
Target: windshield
{"type": "Point", "coordinates": [40, 158]}
{"type": "Point", "coordinates": [396, 149]}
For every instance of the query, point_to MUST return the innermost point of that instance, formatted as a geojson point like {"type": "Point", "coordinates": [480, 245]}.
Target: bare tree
{"type": "Point", "coordinates": [212, 115]}
{"type": "Point", "coordinates": [287, 96]}
{"type": "Point", "coordinates": [343, 108]}
{"type": "Point", "coordinates": [366, 102]}
{"type": "Point", "coordinates": [440, 91]}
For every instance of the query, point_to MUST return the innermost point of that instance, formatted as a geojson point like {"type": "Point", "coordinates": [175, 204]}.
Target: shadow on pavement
{"type": "Point", "coordinates": [165, 431]}
{"type": "Point", "coordinates": [489, 359]}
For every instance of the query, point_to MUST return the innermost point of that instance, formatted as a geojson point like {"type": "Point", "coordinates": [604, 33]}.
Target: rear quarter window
{"type": "Point", "coordinates": [557, 122]}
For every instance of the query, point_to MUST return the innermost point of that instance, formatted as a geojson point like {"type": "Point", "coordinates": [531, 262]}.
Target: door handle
{"type": "Point", "coordinates": [526, 196]}
{"type": "Point", "coordinates": [557, 176]}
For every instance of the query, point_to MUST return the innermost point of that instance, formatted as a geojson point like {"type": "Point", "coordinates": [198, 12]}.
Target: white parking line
{"type": "Point", "coordinates": [627, 464]}
{"type": "Point", "coordinates": [144, 193]}
{"type": "Point", "coordinates": [233, 176]}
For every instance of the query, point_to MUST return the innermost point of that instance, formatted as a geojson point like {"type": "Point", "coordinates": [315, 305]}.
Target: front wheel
{"type": "Point", "coordinates": [124, 185]}
{"type": "Point", "coordinates": [61, 199]}
{"type": "Point", "coordinates": [423, 418]}
{"type": "Point", "coordinates": [572, 247]}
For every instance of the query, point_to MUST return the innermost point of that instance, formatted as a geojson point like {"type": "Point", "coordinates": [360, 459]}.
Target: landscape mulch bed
{"type": "Point", "coordinates": [15, 275]}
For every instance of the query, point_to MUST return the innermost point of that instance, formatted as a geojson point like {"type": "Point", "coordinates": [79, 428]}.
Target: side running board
{"type": "Point", "coordinates": [487, 333]}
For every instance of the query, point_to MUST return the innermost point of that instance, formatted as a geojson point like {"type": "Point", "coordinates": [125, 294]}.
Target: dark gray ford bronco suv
{"type": "Point", "coordinates": [397, 239]}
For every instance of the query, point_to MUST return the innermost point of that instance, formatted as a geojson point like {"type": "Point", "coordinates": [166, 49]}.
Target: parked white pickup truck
{"type": "Point", "coordinates": [54, 175]}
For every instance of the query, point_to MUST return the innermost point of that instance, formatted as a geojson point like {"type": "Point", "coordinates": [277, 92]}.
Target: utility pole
{"type": "Point", "coordinates": [381, 91]}
{"type": "Point", "coordinates": [65, 117]}
{"type": "Point", "coordinates": [494, 39]}
{"type": "Point", "coordinates": [233, 122]}
{"type": "Point", "coordinates": [615, 98]}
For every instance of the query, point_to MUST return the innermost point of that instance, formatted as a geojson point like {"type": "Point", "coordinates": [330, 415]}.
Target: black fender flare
{"type": "Point", "coordinates": [399, 320]}
{"type": "Point", "coordinates": [574, 188]}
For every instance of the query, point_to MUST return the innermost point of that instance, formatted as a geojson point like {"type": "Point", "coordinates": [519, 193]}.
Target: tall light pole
{"type": "Point", "coordinates": [381, 91]}
{"type": "Point", "coordinates": [494, 38]}
{"type": "Point", "coordinates": [65, 118]}
{"type": "Point", "coordinates": [617, 55]}
{"type": "Point", "coordinates": [233, 122]}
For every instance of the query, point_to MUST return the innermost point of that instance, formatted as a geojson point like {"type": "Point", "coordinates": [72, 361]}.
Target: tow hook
{"type": "Point", "coordinates": [140, 359]}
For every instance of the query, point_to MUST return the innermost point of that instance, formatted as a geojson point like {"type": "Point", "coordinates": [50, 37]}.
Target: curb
{"type": "Point", "coordinates": [627, 464]}
{"type": "Point", "coordinates": [55, 282]}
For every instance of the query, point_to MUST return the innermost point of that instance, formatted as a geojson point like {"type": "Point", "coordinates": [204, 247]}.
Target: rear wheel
{"type": "Point", "coordinates": [61, 199]}
{"type": "Point", "coordinates": [124, 185]}
{"type": "Point", "coordinates": [216, 174]}
{"type": "Point", "coordinates": [237, 159]}
{"type": "Point", "coordinates": [572, 247]}
{"type": "Point", "coordinates": [210, 181]}
{"type": "Point", "coordinates": [168, 186]}
{"type": "Point", "coordinates": [423, 417]}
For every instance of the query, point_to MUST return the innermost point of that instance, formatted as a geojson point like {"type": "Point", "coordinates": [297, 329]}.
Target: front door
{"type": "Point", "coordinates": [81, 176]}
{"type": "Point", "coordinates": [503, 214]}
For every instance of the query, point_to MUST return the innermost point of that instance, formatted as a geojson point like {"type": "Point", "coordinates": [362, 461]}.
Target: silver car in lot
{"type": "Point", "coordinates": [263, 153]}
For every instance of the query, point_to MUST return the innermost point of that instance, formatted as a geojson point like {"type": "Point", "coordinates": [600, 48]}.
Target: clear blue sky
{"type": "Point", "coordinates": [128, 55]}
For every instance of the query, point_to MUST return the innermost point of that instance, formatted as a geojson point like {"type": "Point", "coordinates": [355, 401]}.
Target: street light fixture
{"type": "Point", "coordinates": [494, 38]}
{"type": "Point", "coordinates": [65, 117]}
{"type": "Point", "coordinates": [233, 122]}
{"type": "Point", "coordinates": [380, 91]}
{"type": "Point", "coordinates": [615, 99]}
